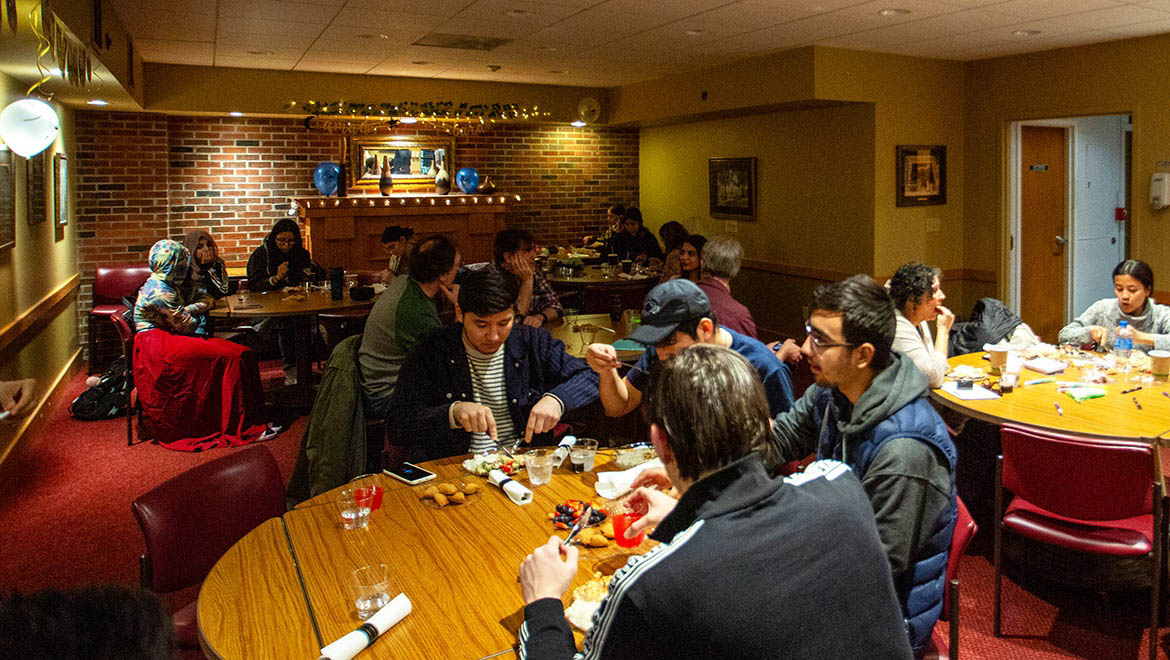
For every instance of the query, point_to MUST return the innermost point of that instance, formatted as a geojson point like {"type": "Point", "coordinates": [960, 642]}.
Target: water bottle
{"type": "Point", "coordinates": [1123, 342]}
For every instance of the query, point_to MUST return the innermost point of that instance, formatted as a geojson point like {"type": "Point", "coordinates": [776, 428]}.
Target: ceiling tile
{"type": "Point", "coordinates": [252, 62]}
{"type": "Point", "coordinates": [1102, 19]}
{"type": "Point", "coordinates": [484, 27]}
{"type": "Point", "coordinates": [247, 41]}
{"type": "Point", "coordinates": [919, 9]}
{"type": "Point", "coordinates": [664, 11]}
{"type": "Point", "coordinates": [323, 66]}
{"type": "Point", "coordinates": [239, 29]}
{"type": "Point", "coordinates": [536, 13]}
{"type": "Point", "coordinates": [1036, 9]}
{"type": "Point", "coordinates": [321, 55]}
{"type": "Point", "coordinates": [200, 53]}
{"type": "Point", "coordinates": [275, 10]}
{"type": "Point", "coordinates": [278, 54]}
{"type": "Point", "coordinates": [151, 23]}
{"type": "Point", "coordinates": [443, 8]}
{"type": "Point", "coordinates": [125, 8]}
{"type": "Point", "coordinates": [928, 28]}
{"type": "Point", "coordinates": [374, 20]}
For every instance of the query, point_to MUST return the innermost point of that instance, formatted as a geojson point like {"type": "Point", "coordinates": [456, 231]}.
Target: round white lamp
{"type": "Point", "coordinates": [29, 126]}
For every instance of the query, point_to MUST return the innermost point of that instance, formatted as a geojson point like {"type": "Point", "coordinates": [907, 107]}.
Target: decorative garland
{"type": "Point", "coordinates": [72, 58]}
{"type": "Point", "coordinates": [351, 118]}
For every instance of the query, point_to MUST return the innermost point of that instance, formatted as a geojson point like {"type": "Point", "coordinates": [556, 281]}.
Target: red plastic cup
{"type": "Point", "coordinates": [370, 496]}
{"type": "Point", "coordinates": [621, 522]}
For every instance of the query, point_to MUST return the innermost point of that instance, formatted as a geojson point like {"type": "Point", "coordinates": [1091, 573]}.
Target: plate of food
{"type": "Point", "coordinates": [586, 599]}
{"type": "Point", "coordinates": [485, 462]}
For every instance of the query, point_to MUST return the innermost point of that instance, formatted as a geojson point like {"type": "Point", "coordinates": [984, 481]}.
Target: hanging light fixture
{"type": "Point", "coordinates": [29, 126]}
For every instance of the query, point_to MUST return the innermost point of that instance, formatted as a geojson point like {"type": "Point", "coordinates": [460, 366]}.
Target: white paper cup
{"type": "Point", "coordinates": [999, 356]}
{"type": "Point", "coordinates": [1160, 363]}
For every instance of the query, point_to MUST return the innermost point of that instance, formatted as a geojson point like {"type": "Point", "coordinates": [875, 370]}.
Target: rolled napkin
{"type": "Point", "coordinates": [353, 643]}
{"type": "Point", "coordinates": [562, 450]}
{"type": "Point", "coordinates": [515, 490]}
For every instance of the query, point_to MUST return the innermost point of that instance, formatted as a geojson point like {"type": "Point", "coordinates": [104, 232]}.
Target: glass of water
{"type": "Point", "coordinates": [539, 464]}
{"type": "Point", "coordinates": [581, 455]}
{"type": "Point", "coordinates": [355, 508]}
{"type": "Point", "coordinates": [371, 589]}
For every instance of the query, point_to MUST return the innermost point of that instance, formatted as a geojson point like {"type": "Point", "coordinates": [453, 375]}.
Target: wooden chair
{"type": "Point", "coordinates": [191, 520]}
{"type": "Point", "coordinates": [124, 323]}
{"type": "Point", "coordinates": [1101, 497]}
{"type": "Point", "coordinates": [942, 647]}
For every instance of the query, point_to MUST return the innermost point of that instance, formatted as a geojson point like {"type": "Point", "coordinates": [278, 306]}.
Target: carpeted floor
{"type": "Point", "coordinates": [67, 522]}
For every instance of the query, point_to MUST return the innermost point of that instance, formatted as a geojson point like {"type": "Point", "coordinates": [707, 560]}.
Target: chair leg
{"type": "Point", "coordinates": [996, 552]}
{"type": "Point", "coordinates": [1157, 569]}
{"type": "Point", "coordinates": [953, 607]}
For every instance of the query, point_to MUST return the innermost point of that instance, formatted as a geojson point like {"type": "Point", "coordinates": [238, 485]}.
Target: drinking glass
{"type": "Point", "coordinates": [370, 494]}
{"type": "Point", "coordinates": [581, 455]}
{"type": "Point", "coordinates": [371, 589]}
{"type": "Point", "coordinates": [621, 522]}
{"type": "Point", "coordinates": [570, 314]}
{"type": "Point", "coordinates": [355, 510]}
{"type": "Point", "coordinates": [539, 466]}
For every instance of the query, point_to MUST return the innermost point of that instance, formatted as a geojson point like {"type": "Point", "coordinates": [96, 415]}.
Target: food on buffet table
{"type": "Point", "coordinates": [567, 514]}
{"type": "Point", "coordinates": [485, 462]}
{"type": "Point", "coordinates": [633, 455]}
{"type": "Point", "coordinates": [586, 599]}
{"type": "Point", "coordinates": [966, 371]}
{"type": "Point", "coordinates": [448, 493]}
{"type": "Point", "coordinates": [592, 538]}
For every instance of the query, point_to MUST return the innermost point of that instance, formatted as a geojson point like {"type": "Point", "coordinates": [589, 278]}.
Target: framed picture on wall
{"type": "Point", "coordinates": [731, 186]}
{"type": "Point", "coordinates": [921, 175]}
{"type": "Point", "coordinates": [35, 183]}
{"type": "Point", "coordinates": [7, 200]}
{"type": "Point", "coordinates": [61, 189]}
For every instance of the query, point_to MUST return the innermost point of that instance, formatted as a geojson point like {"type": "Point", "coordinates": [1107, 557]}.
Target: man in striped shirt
{"type": "Point", "coordinates": [486, 378]}
{"type": "Point", "coordinates": [748, 566]}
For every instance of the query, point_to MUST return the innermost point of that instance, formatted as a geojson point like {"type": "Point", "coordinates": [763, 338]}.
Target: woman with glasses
{"type": "Point", "coordinates": [918, 298]}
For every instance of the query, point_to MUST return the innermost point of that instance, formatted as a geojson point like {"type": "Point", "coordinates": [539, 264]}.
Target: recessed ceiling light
{"type": "Point", "coordinates": [578, 123]}
{"type": "Point", "coordinates": [262, 52]}
{"type": "Point", "coordinates": [517, 12]}
{"type": "Point", "coordinates": [893, 11]}
{"type": "Point", "coordinates": [373, 36]}
{"type": "Point", "coordinates": [558, 72]}
{"type": "Point", "coordinates": [494, 67]}
{"type": "Point", "coordinates": [1025, 33]}
{"type": "Point", "coordinates": [97, 102]}
{"type": "Point", "coordinates": [236, 114]}
{"type": "Point", "coordinates": [547, 49]}
{"type": "Point", "coordinates": [421, 62]}
{"type": "Point", "coordinates": [694, 33]}
{"type": "Point", "coordinates": [408, 120]}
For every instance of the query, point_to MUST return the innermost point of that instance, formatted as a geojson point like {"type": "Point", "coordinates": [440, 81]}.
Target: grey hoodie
{"type": "Point", "coordinates": [907, 482]}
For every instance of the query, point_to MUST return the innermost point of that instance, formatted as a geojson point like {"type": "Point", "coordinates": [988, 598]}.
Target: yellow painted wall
{"type": "Point", "coordinates": [40, 262]}
{"type": "Point", "coordinates": [1111, 78]}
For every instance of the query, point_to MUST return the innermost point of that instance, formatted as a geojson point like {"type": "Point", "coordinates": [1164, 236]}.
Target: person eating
{"type": "Point", "coordinates": [1132, 301]}
{"type": "Point", "coordinates": [918, 298]}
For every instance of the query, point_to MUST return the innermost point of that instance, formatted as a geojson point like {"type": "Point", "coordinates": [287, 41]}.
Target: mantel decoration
{"type": "Point", "coordinates": [921, 172]}
{"type": "Point", "coordinates": [353, 118]}
{"type": "Point", "coordinates": [731, 184]}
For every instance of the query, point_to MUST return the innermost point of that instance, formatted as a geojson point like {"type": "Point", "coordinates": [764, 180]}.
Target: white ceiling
{"type": "Point", "coordinates": [605, 42]}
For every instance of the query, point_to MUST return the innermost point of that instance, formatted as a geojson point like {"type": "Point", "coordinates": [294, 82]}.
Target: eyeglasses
{"type": "Point", "coordinates": [291, 241]}
{"type": "Point", "coordinates": [819, 341]}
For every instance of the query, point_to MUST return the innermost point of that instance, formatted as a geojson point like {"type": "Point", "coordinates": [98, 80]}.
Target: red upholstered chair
{"type": "Point", "coordinates": [124, 323]}
{"type": "Point", "coordinates": [1102, 497]}
{"type": "Point", "coordinates": [191, 520]}
{"type": "Point", "coordinates": [946, 647]}
{"type": "Point", "coordinates": [110, 284]}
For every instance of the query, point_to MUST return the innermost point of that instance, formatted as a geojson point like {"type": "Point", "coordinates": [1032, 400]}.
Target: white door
{"type": "Point", "coordinates": [1098, 239]}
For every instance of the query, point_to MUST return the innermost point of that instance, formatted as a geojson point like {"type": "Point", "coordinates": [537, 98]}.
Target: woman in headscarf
{"type": "Point", "coordinates": [207, 275]}
{"type": "Point", "coordinates": [195, 393]}
{"type": "Point", "coordinates": [280, 261]}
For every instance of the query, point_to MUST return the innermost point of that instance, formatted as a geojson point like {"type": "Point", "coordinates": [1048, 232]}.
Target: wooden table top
{"type": "Point", "coordinates": [1111, 416]}
{"type": "Point", "coordinates": [593, 275]}
{"type": "Point", "coordinates": [278, 303]}
{"type": "Point", "coordinates": [577, 334]}
{"type": "Point", "coordinates": [458, 565]}
{"type": "Point", "coordinates": [251, 604]}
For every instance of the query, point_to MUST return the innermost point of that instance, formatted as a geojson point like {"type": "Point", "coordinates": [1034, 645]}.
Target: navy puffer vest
{"type": "Point", "coordinates": [920, 586]}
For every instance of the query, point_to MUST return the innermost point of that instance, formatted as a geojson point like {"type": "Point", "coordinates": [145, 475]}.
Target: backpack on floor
{"type": "Point", "coordinates": [107, 399]}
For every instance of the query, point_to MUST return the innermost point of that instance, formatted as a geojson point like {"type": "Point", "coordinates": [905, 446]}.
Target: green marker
{"type": "Point", "coordinates": [1037, 381]}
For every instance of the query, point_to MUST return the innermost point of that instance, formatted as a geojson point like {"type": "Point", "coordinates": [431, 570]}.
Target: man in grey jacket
{"type": "Point", "coordinates": [868, 409]}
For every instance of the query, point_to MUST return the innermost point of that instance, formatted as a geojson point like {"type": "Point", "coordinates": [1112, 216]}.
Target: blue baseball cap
{"type": "Point", "coordinates": [667, 306]}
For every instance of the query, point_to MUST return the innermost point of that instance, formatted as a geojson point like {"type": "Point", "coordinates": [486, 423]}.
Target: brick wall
{"type": "Point", "coordinates": [141, 177]}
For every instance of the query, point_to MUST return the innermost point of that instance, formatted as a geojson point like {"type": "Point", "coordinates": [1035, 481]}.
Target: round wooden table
{"type": "Point", "coordinates": [579, 331]}
{"type": "Point", "coordinates": [1113, 416]}
{"type": "Point", "coordinates": [282, 591]}
{"type": "Point", "coordinates": [272, 304]}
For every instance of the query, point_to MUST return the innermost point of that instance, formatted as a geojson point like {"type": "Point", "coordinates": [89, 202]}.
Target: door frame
{"type": "Point", "coordinates": [1015, 186]}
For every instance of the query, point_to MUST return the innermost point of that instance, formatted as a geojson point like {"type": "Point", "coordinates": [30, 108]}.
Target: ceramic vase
{"type": "Point", "coordinates": [487, 187]}
{"type": "Point", "coordinates": [385, 182]}
{"type": "Point", "coordinates": [443, 178]}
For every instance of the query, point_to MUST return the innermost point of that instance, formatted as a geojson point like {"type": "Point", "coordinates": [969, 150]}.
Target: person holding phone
{"type": "Point", "coordinates": [802, 572]}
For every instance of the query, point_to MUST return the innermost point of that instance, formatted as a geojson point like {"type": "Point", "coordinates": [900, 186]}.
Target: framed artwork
{"type": "Point", "coordinates": [7, 200]}
{"type": "Point", "coordinates": [921, 175]}
{"type": "Point", "coordinates": [731, 184]}
{"type": "Point", "coordinates": [61, 189]}
{"type": "Point", "coordinates": [35, 183]}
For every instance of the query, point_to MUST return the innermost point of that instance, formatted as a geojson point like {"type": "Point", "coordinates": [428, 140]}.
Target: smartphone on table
{"type": "Point", "coordinates": [409, 473]}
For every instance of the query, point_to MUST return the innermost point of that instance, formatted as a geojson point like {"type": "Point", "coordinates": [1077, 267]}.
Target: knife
{"type": "Point", "coordinates": [582, 522]}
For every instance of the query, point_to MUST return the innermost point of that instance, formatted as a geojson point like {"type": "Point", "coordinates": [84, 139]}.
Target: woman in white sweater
{"type": "Point", "coordinates": [918, 299]}
{"type": "Point", "coordinates": [1133, 284]}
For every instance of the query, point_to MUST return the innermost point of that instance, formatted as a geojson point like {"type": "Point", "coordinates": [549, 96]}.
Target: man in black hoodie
{"type": "Point", "coordinates": [749, 566]}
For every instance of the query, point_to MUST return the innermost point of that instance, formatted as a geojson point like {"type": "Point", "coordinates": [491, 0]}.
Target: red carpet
{"type": "Point", "coordinates": [67, 522]}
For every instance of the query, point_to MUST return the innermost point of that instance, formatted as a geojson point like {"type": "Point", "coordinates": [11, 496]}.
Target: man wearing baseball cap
{"type": "Point", "coordinates": [677, 314]}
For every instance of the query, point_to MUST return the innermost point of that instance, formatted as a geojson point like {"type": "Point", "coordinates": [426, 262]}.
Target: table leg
{"type": "Point", "coordinates": [303, 392]}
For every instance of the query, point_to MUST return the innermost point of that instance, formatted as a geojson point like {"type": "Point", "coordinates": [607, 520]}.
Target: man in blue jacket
{"type": "Point", "coordinates": [484, 379]}
{"type": "Point", "coordinates": [868, 409]}
{"type": "Point", "coordinates": [749, 566]}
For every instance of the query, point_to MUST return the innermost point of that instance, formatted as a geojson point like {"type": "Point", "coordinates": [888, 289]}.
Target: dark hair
{"type": "Point", "coordinates": [432, 258]}
{"type": "Point", "coordinates": [673, 233]}
{"type": "Point", "coordinates": [722, 257]}
{"type": "Point", "coordinates": [911, 282]}
{"type": "Point", "coordinates": [1138, 270]}
{"type": "Point", "coordinates": [697, 241]}
{"type": "Point", "coordinates": [511, 240]}
{"type": "Point", "coordinates": [90, 623]}
{"type": "Point", "coordinates": [617, 209]}
{"type": "Point", "coordinates": [632, 213]}
{"type": "Point", "coordinates": [867, 313]}
{"type": "Point", "coordinates": [690, 327]}
{"type": "Point", "coordinates": [487, 291]}
{"type": "Point", "coordinates": [395, 232]}
{"type": "Point", "coordinates": [684, 392]}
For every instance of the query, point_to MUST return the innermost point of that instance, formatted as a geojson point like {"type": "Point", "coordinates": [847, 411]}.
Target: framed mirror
{"type": "Point", "coordinates": [411, 159]}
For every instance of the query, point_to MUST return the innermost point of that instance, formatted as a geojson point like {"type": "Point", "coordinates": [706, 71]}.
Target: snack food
{"type": "Point", "coordinates": [586, 599]}
{"type": "Point", "coordinates": [484, 463]}
{"type": "Point", "coordinates": [567, 514]}
{"type": "Point", "coordinates": [448, 493]}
